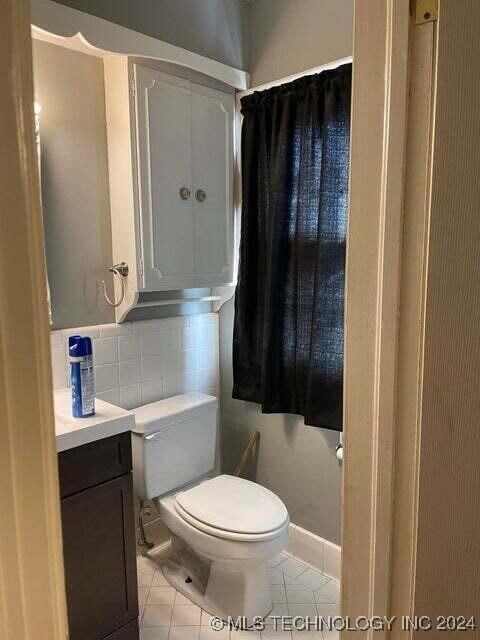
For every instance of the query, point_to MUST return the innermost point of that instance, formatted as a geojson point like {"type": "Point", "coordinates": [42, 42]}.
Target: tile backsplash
{"type": "Point", "coordinates": [141, 362]}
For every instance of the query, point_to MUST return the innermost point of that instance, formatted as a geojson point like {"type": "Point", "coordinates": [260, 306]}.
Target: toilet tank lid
{"type": "Point", "coordinates": [155, 416]}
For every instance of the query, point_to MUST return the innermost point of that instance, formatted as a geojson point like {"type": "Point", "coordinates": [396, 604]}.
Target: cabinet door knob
{"type": "Point", "coordinates": [201, 195]}
{"type": "Point", "coordinates": [185, 193]}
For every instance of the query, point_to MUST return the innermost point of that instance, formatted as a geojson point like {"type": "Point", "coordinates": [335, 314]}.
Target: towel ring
{"type": "Point", "coordinates": [121, 271]}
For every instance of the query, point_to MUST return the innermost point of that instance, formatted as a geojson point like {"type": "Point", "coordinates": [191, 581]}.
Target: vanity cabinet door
{"type": "Point", "coordinates": [184, 135]}
{"type": "Point", "coordinates": [99, 555]}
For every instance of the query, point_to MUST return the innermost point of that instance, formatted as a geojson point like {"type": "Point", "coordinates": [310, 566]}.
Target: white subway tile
{"type": "Point", "coordinates": [106, 377]}
{"type": "Point", "coordinates": [56, 337]}
{"type": "Point", "coordinates": [129, 372]}
{"type": "Point", "coordinates": [180, 361]}
{"type": "Point", "coordinates": [181, 383]}
{"type": "Point", "coordinates": [115, 329]}
{"type": "Point", "coordinates": [145, 361]}
{"type": "Point", "coordinates": [59, 369]}
{"type": "Point", "coordinates": [208, 357]}
{"type": "Point", "coordinates": [104, 350]}
{"type": "Point", "coordinates": [112, 396]}
{"type": "Point", "coordinates": [198, 336]}
{"type": "Point", "coordinates": [207, 379]}
{"type": "Point", "coordinates": [213, 391]}
{"type": "Point", "coordinates": [91, 332]}
{"type": "Point", "coordinates": [152, 391]}
{"type": "Point", "coordinates": [146, 326]}
{"type": "Point", "coordinates": [128, 347]}
{"type": "Point", "coordinates": [152, 368]}
{"type": "Point", "coordinates": [176, 322]}
{"type": "Point", "coordinates": [156, 343]}
{"type": "Point", "coordinates": [150, 343]}
{"type": "Point", "coordinates": [204, 318]}
{"type": "Point", "coordinates": [130, 397]}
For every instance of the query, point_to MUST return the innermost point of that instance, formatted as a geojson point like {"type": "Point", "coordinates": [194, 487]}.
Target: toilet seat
{"type": "Point", "coordinates": [233, 509]}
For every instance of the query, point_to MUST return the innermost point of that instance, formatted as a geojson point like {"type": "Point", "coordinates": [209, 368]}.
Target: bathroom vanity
{"type": "Point", "coordinates": [98, 525]}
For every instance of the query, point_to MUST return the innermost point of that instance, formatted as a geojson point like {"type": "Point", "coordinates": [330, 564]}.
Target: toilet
{"type": "Point", "coordinates": [224, 529]}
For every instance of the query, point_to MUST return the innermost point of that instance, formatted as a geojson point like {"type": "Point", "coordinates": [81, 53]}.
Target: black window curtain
{"type": "Point", "coordinates": [289, 302]}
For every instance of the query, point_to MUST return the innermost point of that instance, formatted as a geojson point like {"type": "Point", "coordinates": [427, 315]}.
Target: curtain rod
{"type": "Point", "coordinates": [308, 72]}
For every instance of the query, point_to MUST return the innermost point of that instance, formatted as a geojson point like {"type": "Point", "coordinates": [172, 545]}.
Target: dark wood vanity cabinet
{"type": "Point", "coordinates": [99, 540]}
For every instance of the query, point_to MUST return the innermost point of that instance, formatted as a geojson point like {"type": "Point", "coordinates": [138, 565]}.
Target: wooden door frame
{"type": "Point", "coordinates": [32, 598]}
{"type": "Point", "coordinates": [392, 106]}
{"type": "Point", "coordinates": [32, 594]}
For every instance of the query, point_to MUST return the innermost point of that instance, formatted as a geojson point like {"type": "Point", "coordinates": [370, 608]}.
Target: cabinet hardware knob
{"type": "Point", "coordinates": [201, 195]}
{"type": "Point", "coordinates": [185, 193]}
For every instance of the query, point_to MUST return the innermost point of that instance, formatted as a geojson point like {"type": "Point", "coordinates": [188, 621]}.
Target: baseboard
{"type": "Point", "coordinates": [314, 550]}
{"type": "Point", "coordinates": [305, 545]}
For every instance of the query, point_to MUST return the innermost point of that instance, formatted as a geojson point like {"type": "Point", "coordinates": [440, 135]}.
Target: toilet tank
{"type": "Point", "coordinates": [173, 443]}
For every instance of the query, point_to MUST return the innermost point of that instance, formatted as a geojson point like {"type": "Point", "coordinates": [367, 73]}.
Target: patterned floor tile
{"type": "Point", "coordinates": [184, 633]}
{"type": "Point", "coordinates": [312, 579]}
{"type": "Point", "coordinates": [278, 593]}
{"type": "Point", "coordinates": [157, 615]}
{"type": "Point", "coordinates": [154, 633]}
{"type": "Point", "coordinates": [186, 615]}
{"type": "Point", "coordinates": [292, 567]}
{"type": "Point", "coordinates": [280, 557]}
{"type": "Point", "coordinates": [330, 592]}
{"type": "Point", "coordinates": [298, 594]}
{"type": "Point", "coordinates": [161, 595]}
{"type": "Point", "coordinates": [297, 590]}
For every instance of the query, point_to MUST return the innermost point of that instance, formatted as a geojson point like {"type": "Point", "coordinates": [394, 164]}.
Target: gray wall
{"type": "Point", "coordinates": [69, 86]}
{"type": "Point", "coordinates": [217, 29]}
{"type": "Point", "coordinates": [289, 36]}
{"type": "Point", "coordinates": [295, 461]}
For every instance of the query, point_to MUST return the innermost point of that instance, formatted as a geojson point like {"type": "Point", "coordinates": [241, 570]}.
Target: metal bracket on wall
{"type": "Point", "coordinates": [425, 11]}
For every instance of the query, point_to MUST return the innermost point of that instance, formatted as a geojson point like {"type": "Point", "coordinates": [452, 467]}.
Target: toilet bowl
{"type": "Point", "coordinates": [224, 529]}
{"type": "Point", "coordinates": [234, 526]}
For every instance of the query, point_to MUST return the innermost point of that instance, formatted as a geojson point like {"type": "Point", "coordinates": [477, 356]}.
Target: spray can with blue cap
{"type": "Point", "coordinates": [82, 376]}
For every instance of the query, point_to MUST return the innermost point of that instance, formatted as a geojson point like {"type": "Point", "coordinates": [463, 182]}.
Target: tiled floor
{"type": "Point", "coordinates": [297, 590]}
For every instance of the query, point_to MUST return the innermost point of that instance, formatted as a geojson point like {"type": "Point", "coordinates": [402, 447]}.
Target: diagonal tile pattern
{"type": "Point", "coordinates": [297, 590]}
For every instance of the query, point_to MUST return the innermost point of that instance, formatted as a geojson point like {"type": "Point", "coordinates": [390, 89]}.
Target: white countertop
{"type": "Point", "coordinates": [71, 432]}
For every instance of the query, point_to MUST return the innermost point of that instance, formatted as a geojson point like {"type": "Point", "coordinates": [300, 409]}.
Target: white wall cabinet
{"type": "Point", "coordinates": [170, 144]}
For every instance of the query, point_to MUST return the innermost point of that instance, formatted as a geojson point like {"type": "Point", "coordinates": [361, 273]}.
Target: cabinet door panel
{"type": "Point", "coordinates": [99, 554]}
{"type": "Point", "coordinates": [163, 113]}
{"type": "Point", "coordinates": [212, 163]}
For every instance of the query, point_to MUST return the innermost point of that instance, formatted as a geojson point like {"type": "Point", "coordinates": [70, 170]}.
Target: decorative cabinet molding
{"type": "Point", "coordinates": [170, 145]}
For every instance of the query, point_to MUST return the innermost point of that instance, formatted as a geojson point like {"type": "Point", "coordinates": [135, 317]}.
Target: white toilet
{"type": "Point", "coordinates": [224, 529]}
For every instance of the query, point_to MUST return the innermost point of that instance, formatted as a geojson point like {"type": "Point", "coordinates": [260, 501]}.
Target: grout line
{"type": "Point", "coordinates": [286, 603]}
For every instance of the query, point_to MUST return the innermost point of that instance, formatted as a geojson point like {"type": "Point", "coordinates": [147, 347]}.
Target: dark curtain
{"type": "Point", "coordinates": [289, 303]}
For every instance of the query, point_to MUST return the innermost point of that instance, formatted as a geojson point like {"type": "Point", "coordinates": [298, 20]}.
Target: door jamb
{"type": "Point", "coordinates": [32, 591]}
{"type": "Point", "coordinates": [32, 597]}
{"type": "Point", "coordinates": [382, 197]}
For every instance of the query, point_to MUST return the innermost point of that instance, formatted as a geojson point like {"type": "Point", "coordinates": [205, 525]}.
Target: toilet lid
{"type": "Point", "coordinates": [233, 505]}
